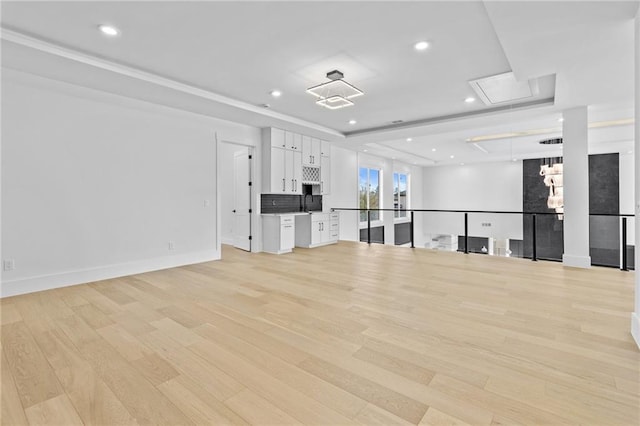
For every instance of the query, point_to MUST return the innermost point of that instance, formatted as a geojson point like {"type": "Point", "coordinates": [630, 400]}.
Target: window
{"type": "Point", "coordinates": [369, 192]}
{"type": "Point", "coordinates": [400, 195]}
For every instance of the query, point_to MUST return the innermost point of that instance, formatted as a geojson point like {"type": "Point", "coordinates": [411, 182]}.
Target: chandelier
{"type": "Point", "coordinates": [336, 93]}
{"type": "Point", "coordinates": [552, 172]}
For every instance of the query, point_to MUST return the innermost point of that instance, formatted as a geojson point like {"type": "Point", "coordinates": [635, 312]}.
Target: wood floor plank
{"type": "Point", "coordinates": [33, 376]}
{"type": "Point", "coordinates": [278, 393]}
{"type": "Point", "coordinates": [9, 313]}
{"type": "Point", "coordinates": [55, 412]}
{"type": "Point", "coordinates": [198, 404]}
{"type": "Point", "coordinates": [11, 411]}
{"type": "Point", "coordinates": [433, 417]}
{"type": "Point", "coordinates": [155, 369]}
{"type": "Point", "coordinates": [310, 385]}
{"type": "Point", "coordinates": [209, 376]}
{"type": "Point", "coordinates": [388, 400]}
{"type": "Point", "coordinates": [257, 410]}
{"type": "Point", "coordinates": [145, 403]}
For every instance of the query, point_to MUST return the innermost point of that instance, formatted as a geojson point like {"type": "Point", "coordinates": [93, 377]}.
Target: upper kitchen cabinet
{"type": "Point", "coordinates": [281, 166]}
{"type": "Point", "coordinates": [277, 138]}
{"type": "Point", "coordinates": [325, 148]}
{"type": "Point", "coordinates": [311, 151]}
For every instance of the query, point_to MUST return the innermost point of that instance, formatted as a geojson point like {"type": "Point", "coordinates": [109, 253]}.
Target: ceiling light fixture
{"type": "Point", "coordinates": [352, 122]}
{"type": "Point", "coordinates": [108, 30]}
{"type": "Point", "coordinates": [335, 94]}
{"type": "Point", "coordinates": [409, 139]}
{"type": "Point", "coordinates": [452, 156]}
{"type": "Point", "coordinates": [421, 45]}
{"type": "Point", "coordinates": [560, 120]}
{"type": "Point", "coordinates": [433, 150]}
{"type": "Point", "coordinates": [470, 100]}
{"type": "Point", "coordinates": [275, 93]}
{"type": "Point", "coordinates": [551, 171]}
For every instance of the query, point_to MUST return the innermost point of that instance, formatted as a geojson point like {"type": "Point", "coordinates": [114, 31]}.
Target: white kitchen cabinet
{"type": "Point", "coordinates": [296, 143]}
{"type": "Point", "coordinates": [277, 138]}
{"type": "Point", "coordinates": [325, 148]}
{"type": "Point", "coordinates": [310, 151]}
{"type": "Point", "coordinates": [292, 172]}
{"type": "Point", "coordinates": [325, 175]}
{"type": "Point", "coordinates": [317, 229]}
{"type": "Point", "coordinates": [281, 167]}
{"type": "Point", "coordinates": [278, 233]}
{"type": "Point", "coordinates": [278, 171]}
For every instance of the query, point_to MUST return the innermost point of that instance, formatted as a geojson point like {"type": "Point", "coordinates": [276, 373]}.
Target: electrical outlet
{"type": "Point", "coordinates": [171, 246]}
{"type": "Point", "coordinates": [8, 265]}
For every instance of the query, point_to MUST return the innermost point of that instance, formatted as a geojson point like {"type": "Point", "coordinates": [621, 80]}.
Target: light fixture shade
{"type": "Point", "coordinates": [553, 179]}
{"type": "Point", "coordinates": [335, 88]}
{"type": "Point", "coordinates": [334, 102]}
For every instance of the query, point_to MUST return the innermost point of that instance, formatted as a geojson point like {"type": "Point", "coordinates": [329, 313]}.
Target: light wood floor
{"type": "Point", "coordinates": [334, 335]}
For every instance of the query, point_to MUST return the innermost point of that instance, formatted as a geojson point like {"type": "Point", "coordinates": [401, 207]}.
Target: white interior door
{"type": "Point", "coordinates": [242, 200]}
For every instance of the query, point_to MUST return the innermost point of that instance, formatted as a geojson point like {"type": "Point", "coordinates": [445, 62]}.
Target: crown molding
{"type": "Point", "coordinates": [22, 39]}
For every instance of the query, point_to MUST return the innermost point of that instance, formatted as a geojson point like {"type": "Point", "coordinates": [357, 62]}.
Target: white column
{"type": "Point", "coordinates": [635, 317]}
{"type": "Point", "coordinates": [576, 188]}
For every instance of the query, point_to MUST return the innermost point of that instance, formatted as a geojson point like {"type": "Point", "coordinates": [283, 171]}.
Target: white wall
{"type": "Point", "coordinates": [96, 185]}
{"type": "Point", "coordinates": [484, 186]}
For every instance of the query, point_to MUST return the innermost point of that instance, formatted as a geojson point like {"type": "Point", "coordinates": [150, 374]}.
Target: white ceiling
{"type": "Point", "coordinates": [223, 59]}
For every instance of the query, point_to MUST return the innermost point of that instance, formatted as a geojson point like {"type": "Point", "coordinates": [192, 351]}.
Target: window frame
{"type": "Point", "coordinates": [396, 214]}
{"type": "Point", "coordinates": [362, 220]}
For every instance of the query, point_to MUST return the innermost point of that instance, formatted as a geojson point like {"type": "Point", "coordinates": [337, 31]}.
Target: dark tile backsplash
{"type": "Point", "coordinates": [284, 203]}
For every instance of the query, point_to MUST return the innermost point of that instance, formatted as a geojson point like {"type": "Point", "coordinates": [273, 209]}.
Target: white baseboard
{"type": "Point", "coordinates": [635, 327]}
{"type": "Point", "coordinates": [576, 261]}
{"type": "Point", "coordinates": [47, 282]}
{"type": "Point", "coordinates": [226, 239]}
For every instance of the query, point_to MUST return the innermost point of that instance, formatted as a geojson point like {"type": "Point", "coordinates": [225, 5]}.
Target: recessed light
{"type": "Point", "coordinates": [352, 122]}
{"type": "Point", "coordinates": [108, 30]}
{"type": "Point", "coordinates": [452, 156]}
{"type": "Point", "coordinates": [514, 159]}
{"type": "Point", "coordinates": [421, 45]}
{"type": "Point", "coordinates": [265, 105]}
{"type": "Point", "coordinates": [409, 139]}
{"type": "Point", "coordinates": [462, 164]}
{"type": "Point", "coordinates": [470, 100]}
{"type": "Point", "coordinates": [365, 150]}
{"type": "Point", "coordinates": [560, 120]}
{"type": "Point", "coordinates": [433, 150]}
{"type": "Point", "coordinates": [629, 152]}
{"type": "Point", "coordinates": [275, 93]}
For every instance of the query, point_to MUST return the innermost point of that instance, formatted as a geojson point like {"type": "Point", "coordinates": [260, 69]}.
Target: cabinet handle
{"type": "Point", "coordinates": [293, 187]}
{"type": "Point", "coordinates": [296, 184]}
{"type": "Point", "coordinates": [283, 185]}
{"type": "Point", "coordinates": [322, 187]}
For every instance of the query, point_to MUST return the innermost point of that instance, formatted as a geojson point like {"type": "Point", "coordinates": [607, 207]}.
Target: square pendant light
{"type": "Point", "coordinates": [334, 102]}
{"type": "Point", "coordinates": [336, 93]}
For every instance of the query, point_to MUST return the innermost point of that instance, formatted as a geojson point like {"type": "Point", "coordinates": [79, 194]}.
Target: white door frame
{"type": "Point", "coordinates": [255, 173]}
